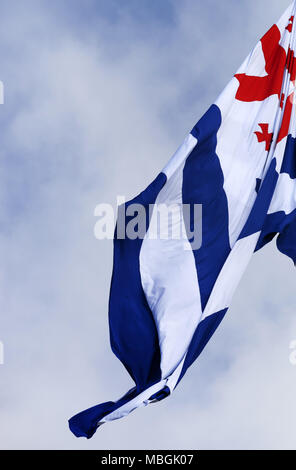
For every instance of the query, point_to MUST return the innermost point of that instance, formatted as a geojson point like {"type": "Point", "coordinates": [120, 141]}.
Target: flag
{"type": "Point", "coordinates": [239, 164]}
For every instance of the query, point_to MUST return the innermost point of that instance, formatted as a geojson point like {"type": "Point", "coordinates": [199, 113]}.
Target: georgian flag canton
{"type": "Point", "coordinates": [239, 163]}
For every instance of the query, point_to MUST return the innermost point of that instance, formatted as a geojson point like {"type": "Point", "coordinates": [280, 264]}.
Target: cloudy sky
{"type": "Point", "coordinates": [98, 95]}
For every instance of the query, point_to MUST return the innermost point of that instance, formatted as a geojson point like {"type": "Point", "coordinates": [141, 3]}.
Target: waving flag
{"type": "Point", "coordinates": [239, 163]}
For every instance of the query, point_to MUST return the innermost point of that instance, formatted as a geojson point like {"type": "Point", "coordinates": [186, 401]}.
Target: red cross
{"type": "Point", "coordinates": [252, 88]}
{"type": "Point", "coordinates": [290, 25]}
{"type": "Point", "coordinates": [264, 136]}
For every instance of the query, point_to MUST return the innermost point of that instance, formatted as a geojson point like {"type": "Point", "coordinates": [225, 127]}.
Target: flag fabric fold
{"type": "Point", "coordinates": [239, 163]}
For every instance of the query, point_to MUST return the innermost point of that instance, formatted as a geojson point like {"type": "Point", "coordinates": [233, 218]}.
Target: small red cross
{"type": "Point", "coordinates": [290, 25]}
{"type": "Point", "coordinates": [264, 136]}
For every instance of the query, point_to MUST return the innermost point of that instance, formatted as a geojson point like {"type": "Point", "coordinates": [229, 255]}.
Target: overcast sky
{"type": "Point", "coordinates": [98, 95]}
